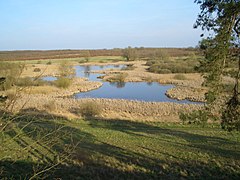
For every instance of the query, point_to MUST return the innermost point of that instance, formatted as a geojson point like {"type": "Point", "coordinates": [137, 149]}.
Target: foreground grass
{"type": "Point", "coordinates": [120, 149]}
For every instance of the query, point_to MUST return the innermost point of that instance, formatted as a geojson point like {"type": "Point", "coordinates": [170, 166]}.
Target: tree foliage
{"type": "Point", "coordinates": [221, 18]}
{"type": "Point", "coordinates": [9, 73]}
{"type": "Point", "coordinates": [129, 54]}
{"type": "Point", "coordinates": [66, 70]}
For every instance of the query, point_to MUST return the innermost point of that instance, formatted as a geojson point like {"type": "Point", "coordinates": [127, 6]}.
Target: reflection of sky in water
{"type": "Point", "coordinates": [49, 78]}
{"type": "Point", "coordinates": [84, 71]}
{"type": "Point", "coordinates": [142, 91]}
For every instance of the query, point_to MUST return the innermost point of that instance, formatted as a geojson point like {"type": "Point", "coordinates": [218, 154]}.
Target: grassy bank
{"type": "Point", "coordinates": [120, 149]}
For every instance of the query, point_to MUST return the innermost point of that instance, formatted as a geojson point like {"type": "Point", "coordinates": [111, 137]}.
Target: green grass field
{"type": "Point", "coordinates": [101, 59]}
{"type": "Point", "coordinates": [118, 149]}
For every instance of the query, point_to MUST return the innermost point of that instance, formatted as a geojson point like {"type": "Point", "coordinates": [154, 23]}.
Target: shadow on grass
{"type": "Point", "coordinates": [204, 143]}
{"type": "Point", "coordinates": [96, 158]}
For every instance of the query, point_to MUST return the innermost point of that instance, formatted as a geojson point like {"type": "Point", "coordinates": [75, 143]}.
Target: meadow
{"type": "Point", "coordinates": [116, 149]}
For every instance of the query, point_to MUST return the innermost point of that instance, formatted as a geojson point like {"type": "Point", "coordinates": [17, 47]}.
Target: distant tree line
{"type": "Point", "coordinates": [140, 52]}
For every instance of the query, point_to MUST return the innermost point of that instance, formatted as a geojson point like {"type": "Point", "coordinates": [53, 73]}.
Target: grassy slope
{"type": "Point", "coordinates": [124, 149]}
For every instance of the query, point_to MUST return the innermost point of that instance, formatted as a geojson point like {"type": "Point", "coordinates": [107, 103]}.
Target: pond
{"type": "Point", "coordinates": [141, 91]}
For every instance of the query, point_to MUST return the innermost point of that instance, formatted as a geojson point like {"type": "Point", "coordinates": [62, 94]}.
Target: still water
{"type": "Point", "coordinates": [142, 91]}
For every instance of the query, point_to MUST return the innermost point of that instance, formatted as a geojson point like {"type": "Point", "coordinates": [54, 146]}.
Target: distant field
{"type": "Point", "coordinates": [122, 149]}
{"type": "Point", "coordinates": [74, 54]}
{"type": "Point", "coordinates": [79, 60]}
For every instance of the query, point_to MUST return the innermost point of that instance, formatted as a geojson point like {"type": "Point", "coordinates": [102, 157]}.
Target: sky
{"type": "Point", "coordinates": [97, 24]}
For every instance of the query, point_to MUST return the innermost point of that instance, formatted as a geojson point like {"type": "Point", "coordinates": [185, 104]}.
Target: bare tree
{"type": "Point", "coordinates": [129, 54]}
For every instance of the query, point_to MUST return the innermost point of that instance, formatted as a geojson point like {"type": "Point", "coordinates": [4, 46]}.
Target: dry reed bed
{"type": "Point", "coordinates": [182, 92]}
{"type": "Point", "coordinates": [112, 108]}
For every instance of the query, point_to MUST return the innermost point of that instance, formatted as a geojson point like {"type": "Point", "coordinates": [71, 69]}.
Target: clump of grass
{"type": "Point", "coordinates": [28, 81]}
{"type": "Point", "coordinates": [128, 67]}
{"type": "Point", "coordinates": [179, 77]}
{"type": "Point", "coordinates": [102, 61]}
{"type": "Point", "coordinates": [90, 109]}
{"type": "Point", "coordinates": [63, 82]}
{"type": "Point", "coordinates": [148, 79]}
{"type": "Point", "coordinates": [51, 106]}
{"type": "Point", "coordinates": [81, 61]}
{"type": "Point", "coordinates": [37, 70]}
{"type": "Point", "coordinates": [118, 78]}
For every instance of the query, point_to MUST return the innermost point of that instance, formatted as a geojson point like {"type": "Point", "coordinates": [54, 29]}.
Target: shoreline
{"type": "Point", "coordinates": [64, 103]}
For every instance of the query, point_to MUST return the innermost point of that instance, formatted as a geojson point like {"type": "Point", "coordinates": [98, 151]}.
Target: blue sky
{"type": "Point", "coordinates": [97, 24]}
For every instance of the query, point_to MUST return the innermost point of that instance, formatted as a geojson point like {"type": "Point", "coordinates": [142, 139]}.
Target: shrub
{"type": "Point", "coordinates": [36, 70]}
{"type": "Point", "coordinates": [28, 81]}
{"type": "Point", "coordinates": [10, 73]}
{"type": "Point", "coordinates": [172, 65]}
{"type": "Point", "coordinates": [90, 109]}
{"type": "Point", "coordinates": [180, 77]}
{"type": "Point", "coordinates": [101, 61]}
{"type": "Point", "coordinates": [81, 61]}
{"type": "Point", "coordinates": [154, 68]}
{"type": "Point", "coordinates": [151, 62]}
{"type": "Point", "coordinates": [128, 67]}
{"type": "Point", "coordinates": [63, 82]}
{"type": "Point", "coordinates": [51, 106]}
{"type": "Point", "coordinates": [164, 71]}
{"type": "Point", "coordinates": [66, 69]}
{"type": "Point", "coordinates": [49, 62]}
{"type": "Point", "coordinates": [198, 117]}
{"type": "Point", "coordinates": [118, 78]}
{"type": "Point", "coordinates": [148, 79]}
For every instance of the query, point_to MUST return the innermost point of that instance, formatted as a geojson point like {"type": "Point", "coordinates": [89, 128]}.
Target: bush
{"type": "Point", "coordinates": [51, 106]}
{"type": "Point", "coordinates": [81, 61]}
{"type": "Point", "coordinates": [10, 72]}
{"type": "Point", "coordinates": [128, 67]}
{"type": "Point", "coordinates": [151, 62]}
{"type": "Point", "coordinates": [28, 81]}
{"type": "Point", "coordinates": [49, 62]}
{"type": "Point", "coordinates": [148, 79]}
{"type": "Point", "coordinates": [63, 82]}
{"type": "Point", "coordinates": [180, 77]}
{"type": "Point", "coordinates": [101, 61]}
{"type": "Point", "coordinates": [164, 71]}
{"type": "Point", "coordinates": [172, 65]}
{"type": "Point", "coordinates": [37, 70]}
{"type": "Point", "coordinates": [198, 117]}
{"type": "Point", "coordinates": [90, 109]}
{"type": "Point", "coordinates": [118, 78]}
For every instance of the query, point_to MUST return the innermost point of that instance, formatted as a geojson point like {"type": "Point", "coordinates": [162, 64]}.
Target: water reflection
{"type": "Point", "coordinates": [118, 84]}
{"type": "Point", "coordinates": [87, 70]}
{"type": "Point", "coordinates": [143, 91]}
{"type": "Point", "coordinates": [149, 83]}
